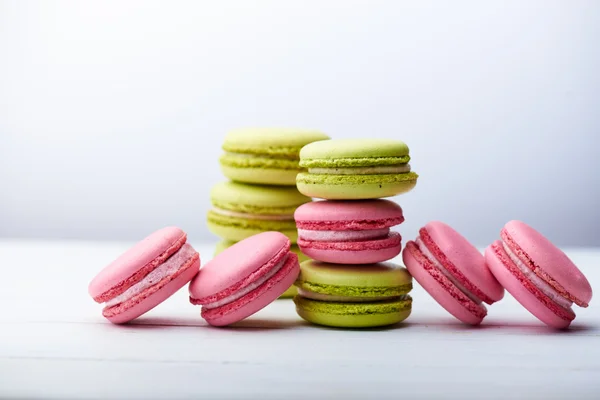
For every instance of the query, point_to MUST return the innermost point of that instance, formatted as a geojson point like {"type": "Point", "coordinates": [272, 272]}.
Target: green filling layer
{"type": "Point", "coordinates": [243, 223]}
{"type": "Point", "coordinates": [251, 209]}
{"type": "Point", "coordinates": [280, 152]}
{"type": "Point", "coordinates": [352, 162]}
{"type": "Point", "coordinates": [355, 291]}
{"type": "Point", "coordinates": [321, 179]}
{"type": "Point", "coordinates": [383, 307]}
{"type": "Point", "coordinates": [259, 162]}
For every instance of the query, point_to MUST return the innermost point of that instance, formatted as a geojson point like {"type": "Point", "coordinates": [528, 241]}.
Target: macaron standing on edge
{"type": "Point", "coordinates": [145, 275]}
{"type": "Point", "coordinates": [353, 296]}
{"type": "Point", "coordinates": [452, 271]}
{"type": "Point", "coordinates": [538, 274]}
{"type": "Point", "coordinates": [353, 169]}
{"type": "Point", "coordinates": [244, 278]}
{"type": "Point", "coordinates": [240, 211]}
{"type": "Point", "coordinates": [266, 156]}
{"type": "Point", "coordinates": [349, 232]}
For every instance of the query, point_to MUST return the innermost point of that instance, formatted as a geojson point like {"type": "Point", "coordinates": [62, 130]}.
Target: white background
{"type": "Point", "coordinates": [112, 113]}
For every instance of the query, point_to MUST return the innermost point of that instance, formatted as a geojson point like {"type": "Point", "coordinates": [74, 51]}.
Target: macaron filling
{"type": "Point", "coordinates": [342, 235]}
{"type": "Point", "coordinates": [347, 299]}
{"type": "Point", "coordinates": [543, 286]}
{"type": "Point", "coordinates": [438, 265]}
{"type": "Point", "coordinates": [167, 268]}
{"type": "Point", "coordinates": [263, 155]}
{"type": "Point", "coordinates": [264, 217]}
{"type": "Point", "coordinates": [385, 169]}
{"type": "Point", "coordinates": [248, 288]}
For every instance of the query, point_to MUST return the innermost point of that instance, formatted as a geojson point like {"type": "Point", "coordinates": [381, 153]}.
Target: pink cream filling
{"type": "Point", "coordinates": [342, 236]}
{"type": "Point", "coordinates": [444, 271]}
{"type": "Point", "coordinates": [536, 280]}
{"type": "Point", "coordinates": [247, 289]}
{"type": "Point", "coordinates": [169, 267]}
{"type": "Point", "coordinates": [266, 217]}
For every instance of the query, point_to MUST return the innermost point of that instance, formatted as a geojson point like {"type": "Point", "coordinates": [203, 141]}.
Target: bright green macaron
{"type": "Point", "coordinates": [265, 155]}
{"type": "Point", "coordinates": [240, 211]}
{"type": "Point", "coordinates": [291, 292]}
{"type": "Point", "coordinates": [350, 169]}
{"type": "Point", "coordinates": [353, 296]}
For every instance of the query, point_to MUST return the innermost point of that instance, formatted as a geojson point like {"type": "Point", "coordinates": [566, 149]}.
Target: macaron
{"type": "Point", "coordinates": [145, 275]}
{"type": "Point", "coordinates": [291, 292]}
{"type": "Point", "coordinates": [244, 278]}
{"type": "Point", "coordinates": [352, 169]}
{"type": "Point", "coordinates": [452, 271]}
{"type": "Point", "coordinates": [353, 296]}
{"type": "Point", "coordinates": [240, 211]}
{"type": "Point", "coordinates": [349, 232]}
{"type": "Point", "coordinates": [538, 274]}
{"type": "Point", "coordinates": [265, 155]}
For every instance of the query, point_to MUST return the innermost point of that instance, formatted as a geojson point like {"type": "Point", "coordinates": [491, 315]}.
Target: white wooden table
{"type": "Point", "coordinates": [55, 344]}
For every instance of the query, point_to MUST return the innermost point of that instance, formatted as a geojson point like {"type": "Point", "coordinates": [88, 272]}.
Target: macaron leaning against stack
{"type": "Point", "coordinates": [291, 291]}
{"type": "Point", "coordinates": [352, 169]}
{"type": "Point", "coordinates": [353, 296]}
{"type": "Point", "coordinates": [145, 275]}
{"type": "Point", "coordinates": [349, 232]}
{"type": "Point", "coordinates": [538, 274]}
{"type": "Point", "coordinates": [240, 211]}
{"type": "Point", "coordinates": [244, 278]}
{"type": "Point", "coordinates": [452, 271]}
{"type": "Point", "coordinates": [265, 155]}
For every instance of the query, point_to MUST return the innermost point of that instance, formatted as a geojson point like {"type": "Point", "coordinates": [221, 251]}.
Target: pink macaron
{"type": "Point", "coordinates": [452, 271]}
{"type": "Point", "coordinates": [349, 232]}
{"type": "Point", "coordinates": [145, 275]}
{"type": "Point", "coordinates": [244, 278]}
{"type": "Point", "coordinates": [538, 274]}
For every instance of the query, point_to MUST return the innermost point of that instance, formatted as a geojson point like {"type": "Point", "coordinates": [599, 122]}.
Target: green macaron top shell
{"type": "Point", "coordinates": [369, 280]}
{"type": "Point", "coordinates": [257, 199]}
{"type": "Point", "coordinates": [354, 153]}
{"type": "Point", "coordinates": [277, 142]}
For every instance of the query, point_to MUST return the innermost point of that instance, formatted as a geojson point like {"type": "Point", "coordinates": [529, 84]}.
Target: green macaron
{"type": "Point", "coordinates": [292, 291]}
{"type": "Point", "coordinates": [240, 211]}
{"type": "Point", "coordinates": [265, 155]}
{"type": "Point", "coordinates": [351, 169]}
{"type": "Point", "coordinates": [353, 296]}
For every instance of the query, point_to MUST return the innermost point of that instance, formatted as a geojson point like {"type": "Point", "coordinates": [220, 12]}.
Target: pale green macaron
{"type": "Point", "coordinates": [353, 296]}
{"type": "Point", "coordinates": [291, 292]}
{"type": "Point", "coordinates": [265, 155]}
{"type": "Point", "coordinates": [351, 169]}
{"type": "Point", "coordinates": [240, 211]}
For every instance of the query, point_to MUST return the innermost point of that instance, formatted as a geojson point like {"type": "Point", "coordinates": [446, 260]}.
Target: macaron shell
{"type": "Point", "coordinates": [261, 176]}
{"type": "Point", "coordinates": [154, 295]}
{"type": "Point", "coordinates": [237, 229]}
{"type": "Point", "coordinates": [520, 292]}
{"type": "Point", "coordinates": [441, 288]}
{"type": "Point", "coordinates": [355, 187]}
{"type": "Point", "coordinates": [257, 299]}
{"type": "Point", "coordinates": [322, 215]}
{"type": "Point", "coordinates": [354, 148]}
{"type": "Point", "coordinates": [385, 274]}
{"type": "Point", "coordinates": [240, 263]}
{"type": "Point", "coordinates": [362, 252]}
{"type": "Point", "coordinates": [551, 263]}
{"type": "Point", "coordinates": [272, 141]}
{"type": "Point", "coordinates": [462, 260]}
{"type": "Point", "coordinates": [353, 315]}
{"type": "Point", "coordinates": [256, 199]}
{"type": "Point", "coordinates": [136, 263]}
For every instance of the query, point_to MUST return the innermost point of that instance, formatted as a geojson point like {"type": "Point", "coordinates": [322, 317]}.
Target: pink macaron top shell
{"type": "Point", "coordinates": [238, 266]}
{"type": "Point", "coordinates": [547, 261]}
{"type": "Point", "coordinates": [135, 263]}
{"type": "Point", "coordinates": [348, 215]}
{"type": "Point", "coordinates": [462, 260]}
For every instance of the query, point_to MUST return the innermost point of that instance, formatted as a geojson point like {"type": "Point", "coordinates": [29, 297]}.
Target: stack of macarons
{"type": "Point", "coordinates": [348, 282]}
{"type": "Point", "coordinates": [261, 194]}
